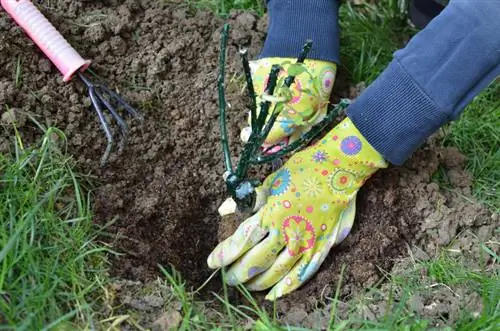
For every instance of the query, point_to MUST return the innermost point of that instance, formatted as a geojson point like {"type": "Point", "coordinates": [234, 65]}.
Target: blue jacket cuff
{"type": "Point", "coordinates": [395, 115]}
{"type": "Point", "coordinates": [431, 80]}
{"type": "Point", "coordinates": [293, 22]}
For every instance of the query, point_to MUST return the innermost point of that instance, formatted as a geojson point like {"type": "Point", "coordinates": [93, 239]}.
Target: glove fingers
{"type": "Point", "coordinates": [308, 100]}
{"type": "Point", "coordinates": [292, 280]}
{"type": "Point", "coordinates": [281, 130]}
{"type": "Point", "coordinates": [284, 131]}
{"type": "Point", "coordinates": [275, 273]}
{"type": "Point", "coordinates": [308, 266]}
{"type": "Point", "coordinates": [256, 260]}
{"type": "Point", "coordinates": [245, 237]}
{"type": "Point", "coordinates": [344, 225]}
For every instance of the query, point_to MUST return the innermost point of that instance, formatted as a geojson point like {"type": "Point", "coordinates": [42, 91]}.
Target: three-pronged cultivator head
{"type": "Point", "coordinates": [242, 189]}
{"type": "Point", "coordinates": [70, 63]}
{"type": "Point", "coordinates": [104, 101]}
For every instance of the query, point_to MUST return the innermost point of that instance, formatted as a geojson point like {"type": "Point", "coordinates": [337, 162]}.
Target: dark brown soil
{"type": "Point", "coordinates": [164, 190]}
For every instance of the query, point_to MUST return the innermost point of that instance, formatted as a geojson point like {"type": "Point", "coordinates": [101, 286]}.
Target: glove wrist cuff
{"type": "Point", "coordinates": [350, 151]}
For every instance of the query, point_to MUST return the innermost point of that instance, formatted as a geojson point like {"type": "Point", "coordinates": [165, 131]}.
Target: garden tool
{"type": "Point", "coordinates": [301, 212]}
{"type": "Point", "coordinates": [71, 64]}
{"type": "Point", "coordinates": [300, 115]}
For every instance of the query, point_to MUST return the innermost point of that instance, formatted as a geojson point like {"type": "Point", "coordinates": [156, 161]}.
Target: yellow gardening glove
{"type": "Point", "coordinates": [310, 96]}
{"type": "Point", "coordinates": [303, 210]}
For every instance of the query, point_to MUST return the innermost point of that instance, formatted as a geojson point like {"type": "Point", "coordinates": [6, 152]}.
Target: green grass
{"type": "Point", "coordinates": [370, 33]}
{"type": "Point", "coordinates": [449, 274]}
{"type": "Point", "coordinates": [477, 135]}
{"type": "Point", "coordinates": [53, 269]}
{"type": "Point", "coordinates": [369, 36]}
{"type": "Point", "coordinates": [51, 265]}
{"type": "Point", "coordinates": [223, 7]}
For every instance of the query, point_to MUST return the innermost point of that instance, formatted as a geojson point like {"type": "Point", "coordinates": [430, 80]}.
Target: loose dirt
{"type": "Point", "coordinates": [163, 191]}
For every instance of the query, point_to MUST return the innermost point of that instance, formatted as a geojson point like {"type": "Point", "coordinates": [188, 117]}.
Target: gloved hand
{"type": "Point", "coordinates": [308, 105]}
{"type": "Point", "coordinates": [303, 210]}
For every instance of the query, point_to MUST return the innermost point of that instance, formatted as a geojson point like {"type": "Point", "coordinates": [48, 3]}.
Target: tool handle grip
{"type": "Point", "coordinates": [45, 35]}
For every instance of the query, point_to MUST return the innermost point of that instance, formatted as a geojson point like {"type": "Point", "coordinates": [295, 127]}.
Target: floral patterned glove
{"type": "Point", "coordinates": [310, 96]}
{"type": "Point", "coordinates": [303, 210]}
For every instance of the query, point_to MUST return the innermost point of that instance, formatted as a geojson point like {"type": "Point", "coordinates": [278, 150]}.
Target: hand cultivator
{"type": "Point", "coordinates": [242, 189]}
{"type": "Point", "coordinates": [70, 63]}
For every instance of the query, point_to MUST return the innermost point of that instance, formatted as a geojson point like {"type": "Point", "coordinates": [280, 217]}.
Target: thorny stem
{"type": "Point", "coordinates": [222, 100]}
{"type": "Point", "coordinates": [254, 141]}
{"type": "Point", "coordinates": [332, 112]}
{"type": "Point", "coordinates": [250, 88]}
{"type": "Point", "coordinates": [241, 189]}
{"type": "Point", "coordinates": [302, 56]}
{"type": "Point", "coordinates": [288, 82]}
{"type": "Point", "coordinates": [264, 105]}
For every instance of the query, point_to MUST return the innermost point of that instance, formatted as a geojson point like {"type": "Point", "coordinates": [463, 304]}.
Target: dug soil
{"type": "Point", "coordinates": [162, 193]}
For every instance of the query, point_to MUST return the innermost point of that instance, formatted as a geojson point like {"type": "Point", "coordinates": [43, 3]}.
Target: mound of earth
{"type": "Point", "coordinates": [163, 191]}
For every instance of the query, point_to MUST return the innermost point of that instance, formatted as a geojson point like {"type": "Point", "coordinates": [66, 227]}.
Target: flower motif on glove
{"type": "Point", "coordinates": [351, 145]}
{"type": "Point", "coordinates": [299, 234]}
{"type": "Point", "coordinates": [280, 183]}
{"type": "Point", "coordinates": [320, 157]}
{"type": "Point", "coordinates": [341, 180]}
{"type": "Point", "coordinates": [313, 187]}
{"type": "Point", "coordinates": [287, 126]}
{"type": "Point", "coordinates": [297, 92]}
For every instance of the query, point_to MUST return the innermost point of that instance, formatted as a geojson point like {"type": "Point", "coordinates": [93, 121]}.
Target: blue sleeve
{"type": "Point", "coordinates": [293, 22]}
{"type": "Point", "coordinates": [431, 80]}
{"type": "Point", "coordinates": [427, 84]}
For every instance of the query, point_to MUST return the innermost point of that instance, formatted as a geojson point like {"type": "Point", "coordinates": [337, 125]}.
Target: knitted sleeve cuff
{"type": "Point", "coordinates": [293, 22]}
{"type": "Point", "coordinates": [431, 80]}
{"type": "Point", "coordinates": [394, 115]}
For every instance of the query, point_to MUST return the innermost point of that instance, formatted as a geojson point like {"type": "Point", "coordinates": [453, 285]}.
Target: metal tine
{"type": "Point", "coordinates": [122, 102]}
{"type": "Point", "coordinates": [97, 106]}
{"type": "Point", "coordinates": [121, 123]}
{"type": "Point", "coordinates": [104, 99]}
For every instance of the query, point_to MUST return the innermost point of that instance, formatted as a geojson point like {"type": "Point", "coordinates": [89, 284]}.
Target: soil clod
{"type": "Point", "coordinates": [163, 191]}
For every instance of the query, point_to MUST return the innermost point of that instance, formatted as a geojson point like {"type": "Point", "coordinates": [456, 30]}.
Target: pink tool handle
{"type": "Point", "coordinates": [50, 41]}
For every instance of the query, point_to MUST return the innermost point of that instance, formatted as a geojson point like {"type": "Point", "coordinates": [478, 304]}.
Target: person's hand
{"type": "Point", "coordinates": [309, 100]}
{"type": "Point", "coordinates": [303, 210]}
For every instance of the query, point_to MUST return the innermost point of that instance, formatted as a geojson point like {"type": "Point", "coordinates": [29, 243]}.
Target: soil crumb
{"type": "Point", "coordinates": [163, 191]}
